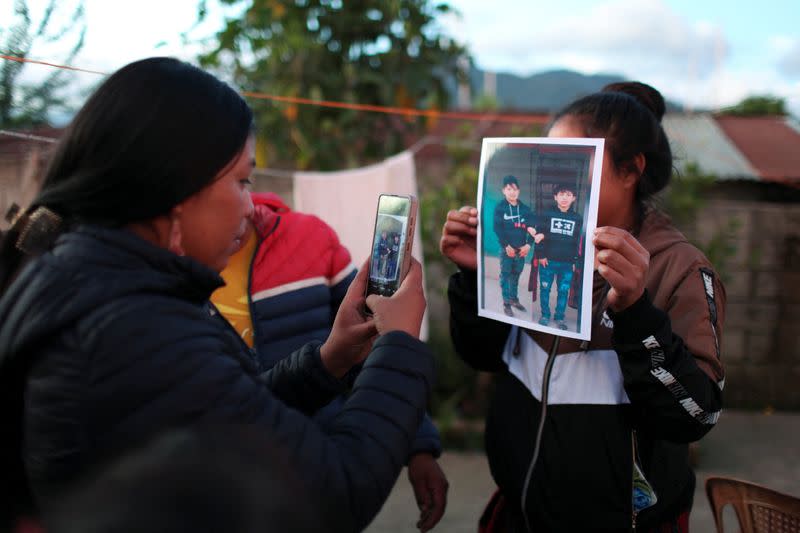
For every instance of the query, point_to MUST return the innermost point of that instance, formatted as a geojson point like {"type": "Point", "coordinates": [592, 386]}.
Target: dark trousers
{"type": "Point", "coordinates": [510, 270]}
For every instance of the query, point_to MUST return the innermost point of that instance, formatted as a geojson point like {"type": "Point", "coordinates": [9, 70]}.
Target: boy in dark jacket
{"type": "Point", "coordinates": [558, 253]}
{"type": "Point", "coordinates": [512, 225]}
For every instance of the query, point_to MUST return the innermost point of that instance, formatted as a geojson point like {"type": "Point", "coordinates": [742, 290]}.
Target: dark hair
{"type": "Point", "coordinates": [564, 186]}
{"type": "Point", "coordinates": [154, 133]}
{"type": "Point", "coordinates": [628, 115]}
{"type": "Point", "coordinates": [510, 180]}
{"type": "Point", "coordinates": [215, 479]}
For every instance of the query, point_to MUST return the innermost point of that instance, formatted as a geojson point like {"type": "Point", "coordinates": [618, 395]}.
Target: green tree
{"type": "Point", "coordinates": [687, 193]}
{"type": "Point", "coordinates": [383, 53]}
{"type": "Point", "coordinates": [758, 105]}
{"type": "Point", "coordinates": [29, 103]}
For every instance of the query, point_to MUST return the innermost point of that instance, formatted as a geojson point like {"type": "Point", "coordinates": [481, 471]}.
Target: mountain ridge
{"type": "Point", "coordinates": [546, 91]}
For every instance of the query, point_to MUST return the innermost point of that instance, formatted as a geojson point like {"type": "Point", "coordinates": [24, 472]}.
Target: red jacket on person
{"type": "Point", "coordinates": [298, 277]}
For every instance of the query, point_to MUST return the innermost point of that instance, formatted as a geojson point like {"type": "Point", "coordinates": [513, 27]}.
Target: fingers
{"type": "Point", "coordinates": [457, 227]}
{"type": "Point", "coordinates": [461, 222]}
{"type": "Point", "coordinates": [614, 260]}
{"type": "Point", "coordinates": [466, 215]}
{"type": "Point", "coordinates": [373, 301]}
{"type": "Point", "coordinates": [620, 253]}
{"type": "Point", "coordinates": [414, 275]}
{"type": "Point", "coordinates": [413, 279]}
{"type": "Point", "coordinates": [354, 297]}
{"type": "Point", "coordinates": [359, 285]}
{"type": "Point", "coordinates": [624, 263]}
{"type": "Point", "coordinates": [627, 282]}
{"type": "Point", "coordinates": [438, 495]}
{"type": "Point", "coordinates": [449, 241]}
{"type": "Point", "coordinates": [364, 331]}
{"type": "Point", "coordinates": [614, 277]}
{"type": "Point", "coordinates": [424, 503]}
{"type": "Point", "coordinates": [430, 489]}
{"type": "Point", "coordinates": [403, 310]}
{"type": "Point", "coordinates": [459, 232]}
{"type": "Point", "coordinates": [461, 252]}
{"type": "Point", "coordinates": [470, 210]}
{"type": "Point", "coordinates": [623, 242]}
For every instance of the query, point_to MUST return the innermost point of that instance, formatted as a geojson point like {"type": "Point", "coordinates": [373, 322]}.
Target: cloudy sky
{"type": "Point", "coordinates": [706, 53]}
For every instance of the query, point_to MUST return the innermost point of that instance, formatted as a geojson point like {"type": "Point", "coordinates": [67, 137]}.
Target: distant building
{"type": "Point", "coordinates": [738, 148]}
{"type": "Point", "coordinates": [22, 162]}
{"type": "Point", "coordinates": [755, 209]}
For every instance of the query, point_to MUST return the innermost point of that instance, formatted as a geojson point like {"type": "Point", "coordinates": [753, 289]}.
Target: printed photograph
{"type": "Point", "coordinates": [537, 202]}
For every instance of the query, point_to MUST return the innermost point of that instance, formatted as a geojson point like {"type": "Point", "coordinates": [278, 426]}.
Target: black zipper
{"type": "Point", "coordinates": [551, 357]}
{"type": "Point", "coordinates": [633, 467]}
{"type": "Point", "coordinates": [250, 306]}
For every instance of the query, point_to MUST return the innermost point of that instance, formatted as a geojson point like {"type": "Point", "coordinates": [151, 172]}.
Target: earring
{"type": "Point", "coordinates": [174, 245]}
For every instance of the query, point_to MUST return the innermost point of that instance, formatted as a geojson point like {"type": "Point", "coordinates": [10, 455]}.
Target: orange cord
{"type": "Point", "coordinates": [539, 118]}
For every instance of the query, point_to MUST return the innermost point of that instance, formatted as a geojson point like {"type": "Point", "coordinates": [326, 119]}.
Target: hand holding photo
{"type": "Point", "coordinates": [537, 203]}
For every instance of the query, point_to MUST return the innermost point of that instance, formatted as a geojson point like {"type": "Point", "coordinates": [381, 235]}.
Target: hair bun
{"type": "Point", "coordinates": [644, 94]}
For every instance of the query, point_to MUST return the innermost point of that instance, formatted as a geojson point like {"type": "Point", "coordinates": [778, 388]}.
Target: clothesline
{"type": "Point", "coordinates": [540, 118]}
{"type": "Point", "coordinates": [28, 136]}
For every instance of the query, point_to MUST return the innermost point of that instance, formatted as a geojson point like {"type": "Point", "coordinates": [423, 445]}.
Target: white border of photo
{"type": "Point", "coordinates": [488, 149]}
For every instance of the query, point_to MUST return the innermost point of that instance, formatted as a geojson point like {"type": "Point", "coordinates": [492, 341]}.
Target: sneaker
{"type": "Point", "coordinates": [516, 305]}
{"type": "Point", "coordinates": [507, 310]}
{"type": "Point", "coordinates": [545, 320]}
{"type": "Point", "coordinates": [562, 325]}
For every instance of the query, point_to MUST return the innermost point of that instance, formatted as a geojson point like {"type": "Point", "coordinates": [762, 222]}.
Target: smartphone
{"type": "Point", "coordinates": [392, 240]}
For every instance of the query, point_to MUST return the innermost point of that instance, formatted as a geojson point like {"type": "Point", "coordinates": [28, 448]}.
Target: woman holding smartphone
{"type": "Point", "coordinates": [594, 436]}
{"type": "Point", "coordinates": [106, 337]}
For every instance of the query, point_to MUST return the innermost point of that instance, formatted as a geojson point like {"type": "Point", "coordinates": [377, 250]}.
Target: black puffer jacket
{"type": "Point", "coordinates": [108, 339]}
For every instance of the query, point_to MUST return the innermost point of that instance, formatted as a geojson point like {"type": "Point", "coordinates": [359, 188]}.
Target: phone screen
{"type": "Point", "coordinates": [389, 244]}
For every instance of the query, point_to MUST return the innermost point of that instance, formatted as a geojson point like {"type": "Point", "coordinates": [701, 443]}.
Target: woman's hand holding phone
{"type": "Point", "coordinates": [404, 309]}
{"type": "Point", "coordinates": [352, 333]}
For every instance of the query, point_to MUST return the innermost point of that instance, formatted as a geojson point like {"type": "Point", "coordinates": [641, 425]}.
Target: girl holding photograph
{"type": "Point", "coordinates": [593, 436]}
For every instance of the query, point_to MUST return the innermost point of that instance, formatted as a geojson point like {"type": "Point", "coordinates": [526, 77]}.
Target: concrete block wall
{"type": "Point", "coordinates": [761, 341]}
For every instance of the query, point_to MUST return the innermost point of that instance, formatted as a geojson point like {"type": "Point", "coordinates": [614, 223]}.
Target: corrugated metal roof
{"type": "Point", "coordinates": [770, 144]}
{"type": "Point", "coordinates": [698, 139]}
{"type": "Point", "coordinates": [793, 123]}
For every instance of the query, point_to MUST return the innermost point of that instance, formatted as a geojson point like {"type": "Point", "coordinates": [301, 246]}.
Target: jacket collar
{"type": "Point", "coordinates": [267, 213]}
{"type": "Point", "coordinates": [99, 247]}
